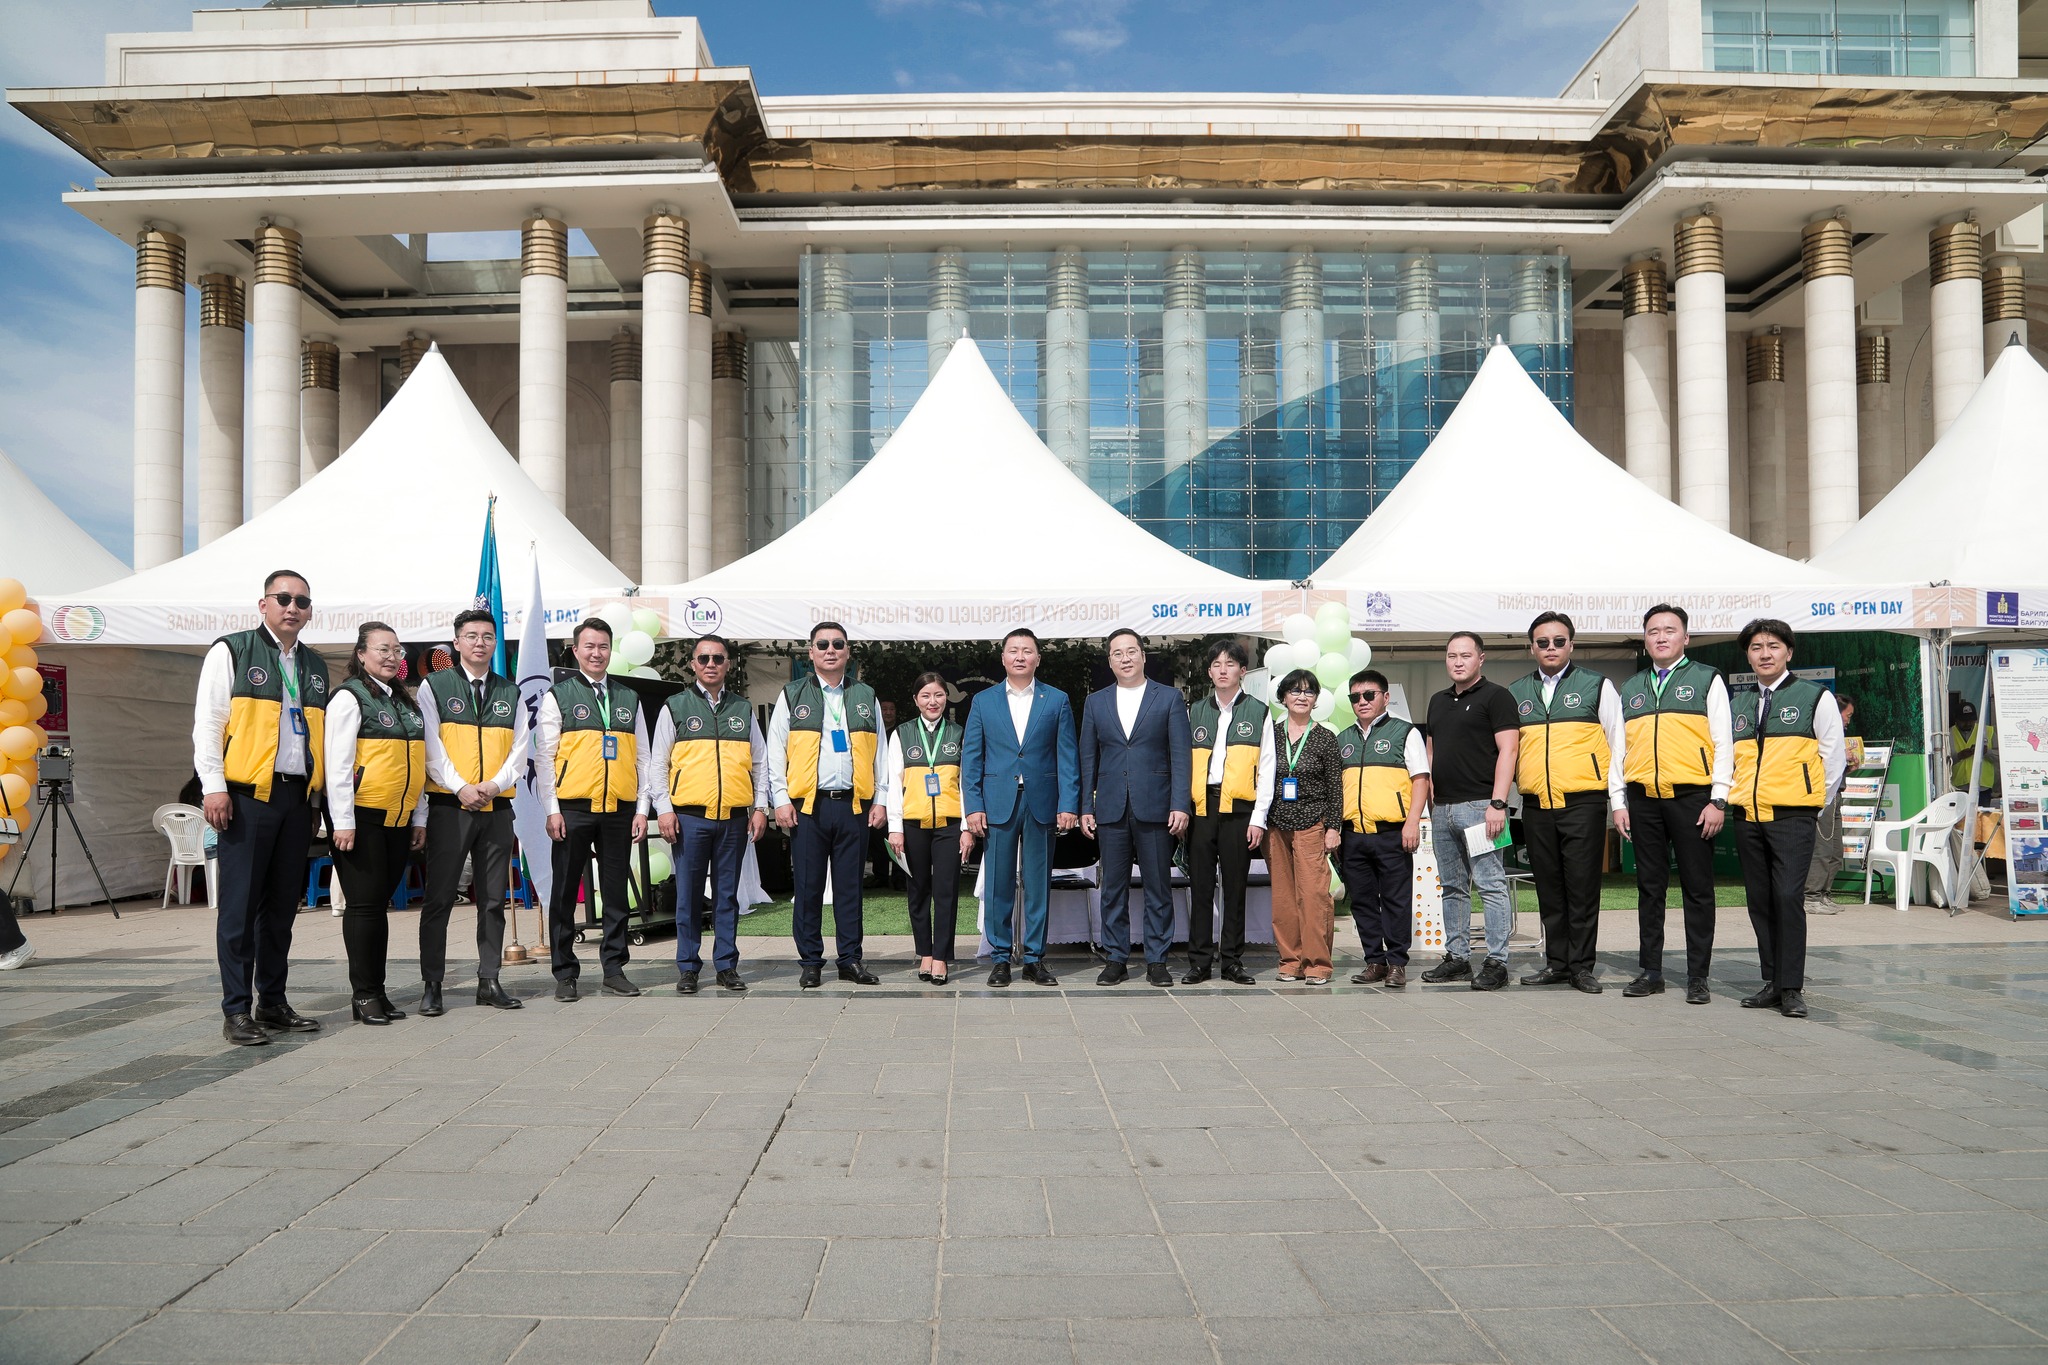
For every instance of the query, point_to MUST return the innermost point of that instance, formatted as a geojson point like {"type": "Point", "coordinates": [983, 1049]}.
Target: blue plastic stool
{"type": "Point", "coordinates": [316, 882]}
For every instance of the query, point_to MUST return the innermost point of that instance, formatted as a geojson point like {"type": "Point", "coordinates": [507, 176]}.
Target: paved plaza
{"type": "Point", "coordinates": [900, 1174]}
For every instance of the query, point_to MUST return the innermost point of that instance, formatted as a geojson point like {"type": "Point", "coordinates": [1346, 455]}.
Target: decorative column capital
{"type": "Point", "coordinates": [1824, 247]}
{"type": "Point", "coordinates": [1416, 290]}
{"type": "Point", "coordinates": [1873, 358]}
{"type": "Point", "coordinates": [665, 244]}
{"type": "Point", "coordinates": [223, 301]}
{"type": "Point", "coordinates": [280, 256]}
{"type": "Point", "coordinates": [2005, 290]}
{"type": "Point", "coordinates": [320, 366]}
{"type": "Point", "coordinates": [729, 356]}
{"type": "Point", "coordinates": [625, 356]}
{"type": "Point", "coordinates": [159, 259]}
{"type": "Point", "coordinates": [544, 248]}
{"type": "Point", "coordinates": [1066, 285]}
{"type": "Point", "coordinates": [410, 351]}
{"type": "Point", "coordinates": [700, 288]}
{"type": "Point", "coordinates": [1955, 251]}
{"type": "Point", "coordinates": [1187, 281]}
{"type": "Point", "coordinates": [1302, 284]}
{"type": "Point", "coordinates": [1697, 240]}
{"type": "Point", "coordinates": [1643, 287]}
{"type": "Point", "coordinates": [1766, 357]}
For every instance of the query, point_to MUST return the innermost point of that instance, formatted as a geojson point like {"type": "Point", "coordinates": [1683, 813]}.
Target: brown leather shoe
{"type": "Point", "coordinates": [1397, 977]}
{"type": "Point", "coordinates": [1373, 973]}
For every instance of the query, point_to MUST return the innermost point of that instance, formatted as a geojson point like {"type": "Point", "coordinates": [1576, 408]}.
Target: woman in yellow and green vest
{"type": "Point", "coordinates": [924, 823]}
{"type": "Point", "coordinates": [376, 805]}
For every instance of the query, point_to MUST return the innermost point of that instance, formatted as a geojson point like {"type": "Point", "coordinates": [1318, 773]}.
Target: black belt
{"type": "Point", "coordinates": [585, 807]}
{"type": "Point", "coordinates": [277, 780]}
{"type": "Point", "coordinates": [1638, 789]}
{"type": "Point", "coordinates": [837, 793]}
{"type": "Point", "coordinates": [704, 812]}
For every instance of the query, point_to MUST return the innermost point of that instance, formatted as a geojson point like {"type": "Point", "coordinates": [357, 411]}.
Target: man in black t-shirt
{"type": "Point", "coordinates": [1473, 738]}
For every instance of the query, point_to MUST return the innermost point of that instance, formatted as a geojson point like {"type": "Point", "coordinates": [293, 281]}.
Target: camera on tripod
{"type": "Point", "coordinates": [53, 770]}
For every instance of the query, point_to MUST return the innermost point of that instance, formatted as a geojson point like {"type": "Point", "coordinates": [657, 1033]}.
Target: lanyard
{"type": "Point", "coordinates": [1295, 746]}
{"type": "Point", "coordinates": [288, 675]}
{"type": "Point", "coordinates": [836, 709]}
{"type": "Point", "coordinates": [931, 741]}
{"type": "Point", "coordinates": [1657, 680]}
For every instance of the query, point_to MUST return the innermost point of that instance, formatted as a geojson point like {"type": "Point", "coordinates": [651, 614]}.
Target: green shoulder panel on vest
{"type": "Point", "coordinates": [258, 665]}
{"type": "Point", "coordinates": [1792, 710]}
{"type": "Point", "coordinates": [1576, 697]}
{"type": "Point", "coordinates": [1685, 691]}
{"type": "Point", "coordinates": [910, 735]}
{"type": "Point", "coordinates": [1205, 716]}
{"type": "Point", "coordinates": [578, 702]}
{"type": "Point", "coordinates": [383, 717]}
{"type": "Point", "coordinates": [695, 718]}
{"type": "Point", "coordinates": [455, 703]}
{"type": "Point", "coordinates": [806, 699]}
{"type": "Point", "coordinates": [1385, 746]}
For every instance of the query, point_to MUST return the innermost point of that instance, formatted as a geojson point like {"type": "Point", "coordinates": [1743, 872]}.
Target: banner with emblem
{"type": "Point", "coordinates": [529, 816]}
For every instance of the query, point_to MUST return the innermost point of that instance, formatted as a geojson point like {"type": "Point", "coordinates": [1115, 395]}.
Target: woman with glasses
{"type": "Point", "coordinates": [1301, 809]}
{"type": "Point", "coordinates": [376, 805]}
{"type": "Point", "coordinates": [924, 823]}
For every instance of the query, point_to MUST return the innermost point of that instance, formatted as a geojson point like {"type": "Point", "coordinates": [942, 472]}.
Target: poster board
{"type": "Point", "coordinates": [2019, 689]}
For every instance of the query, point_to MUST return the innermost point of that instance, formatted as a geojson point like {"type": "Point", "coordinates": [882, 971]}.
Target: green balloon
{"type": "Point", "coordinates": [1333, 636]}
{"type": "Point", "coordinates": [1333, 671]}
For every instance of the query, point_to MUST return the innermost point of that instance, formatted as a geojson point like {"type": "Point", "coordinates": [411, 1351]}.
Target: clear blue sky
{"type": "Point", "coordinates": [66, 288]}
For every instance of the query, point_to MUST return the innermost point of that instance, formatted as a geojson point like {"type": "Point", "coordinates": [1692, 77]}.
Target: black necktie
{"type": "Point", "coordinates": [476, 686]}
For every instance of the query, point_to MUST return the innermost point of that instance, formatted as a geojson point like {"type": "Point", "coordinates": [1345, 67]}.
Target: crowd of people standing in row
{"type": "Point", "coordinates": [1667, 757]}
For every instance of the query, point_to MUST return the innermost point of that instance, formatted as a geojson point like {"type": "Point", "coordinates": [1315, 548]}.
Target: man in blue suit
{"type": "Point", "coordinates": [1136, 749]}
{"type": "Point", "coordinates": [1017, 783]}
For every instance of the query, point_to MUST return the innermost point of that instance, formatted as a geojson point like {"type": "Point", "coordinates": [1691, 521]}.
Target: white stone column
{"type": "Point", "coordinates": [274, 322]}
{"type": "Point", "coordinates": [362, 384]}
{"type": "Point", "coordinates": [1184, 358]}
{"type": "Point", "coordinates": [159, 397]}
{"type": "Point", "coordinates": [1646, 373]}
{"type": "Point", "coordinates": [1301, 331]}
{"type": "Point", "coordinates": [1066, 358]}
{"type": "Point", "coordinates": [728, 448]}
{"type": "Point", "coordinates": [1878, 468]}
{"type": "Point", "coordinates": [830, 369]}
{"type": "Point", "coordinates": [703, 515]}
{"type": "Point", "coordinates": [1702, 297]}
{"type": "Point", "coordinates": [1831, 449]}
{"type": "Point", "coordinates": [544, 354]}
{"type": "Point", "coordinates": [412, 348]}
{"type": "Point", "coordinates": [223, 309]}
{"type": "Point", "coordinates": [1955, 269]}
{"type": "Point", "coordinates": [945, 318]}
{"type": "Point", "coordinates": [664, 398]}
{"type": "Point", "coordinates": [1768, 494]}
{"type": "Point", "coordinates": [2005, 307]}
{"type": "Point", "coordinates": [626, 407]}
{"type": "Point", "coordinates": [1418, 341]}
{"type": "Point", "coordinates": [319, 406]}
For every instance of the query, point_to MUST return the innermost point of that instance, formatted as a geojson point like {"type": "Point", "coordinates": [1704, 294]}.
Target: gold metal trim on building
{"type": "Point", "coordinates": [665, 244]}
{"type": "Point", "coordinates": [1825, 248]}
{"type": "Point", "coordinates": [1697, 243]}
{"type": "Point", "coordinates": [1955, 251]}
{"type": "Point", "coordinates": [544, 247]}
{"type": "Point", "coordinates": [1066, 285]}
{"type": "Point", "coordinates": [1766, 358]}
{"type": "Point", "coordinates": [625, 357]}
{"type": "Point", "coordinates": [280, 256]}
{"type": "Point", "coordinates": [1643, 288]}
{"type": "Point", "coordinates": [700, 289]}
{"type": "Point", "coordinates": [159, 260]}
{"type": "Point", "coordinates": [320, 365]}
{"type": "Point", "coordinates": [223, 301]}
{"type": "Point", "coordinates": [1874, 359]}
{"type": "Point", "coordinates": [410, 351]}
{"type": "Point", "coordinates": [729, 356]}
{"type": "Point", "coordinates": [2005, 292]}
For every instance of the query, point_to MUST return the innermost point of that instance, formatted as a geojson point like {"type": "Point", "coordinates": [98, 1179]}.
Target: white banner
{"type": "Point", "coordinates": [1508, 610]}
{"type": "Point", "coordinates": [529, 820]}
{"type": "Point", "coordinates": [782, 617]}
{"type": "Point", "coordinates": [182, 623]}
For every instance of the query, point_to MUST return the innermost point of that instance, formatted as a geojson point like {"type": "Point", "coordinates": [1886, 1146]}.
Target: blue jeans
{"type": "Point", "coordinates": [720, 846]}
{"type": "Point", "coordinates": [1459, 870]}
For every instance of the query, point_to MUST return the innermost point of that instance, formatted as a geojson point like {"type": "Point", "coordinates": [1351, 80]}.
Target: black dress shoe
{"type": "Point", "coordinates": [566, 990]}
{"type": "Point", "coordinates": [1765, 999]}
{"type": "Point", "coordinates": [366, 1010]}
{"type": "Point", "coordinates": [811, 978]}
{"type": "Point", "coordinates": [1644, 985]}
{"type": "Point", "coordinates": [1696, 992]}
{"type": "Point", "coordinates": [489, 992]}
{"type": "Point", "coordinates": [730, 979]}
{"type": "Point", "coordinates": [391, 1011]}
{"type": "Point", "coordinates": [243, 1031]}
{"type": "Point", "coordinates": [1587, 982]}
{"type": "Point", "coordinates": [1158, 974]}
{"type": "Point", "coordinates": [283, 1016]}
{"type": "Point", "coordinates": [686, 983]}
{"type": "Point", "coordinates": [1549, 976]}
{"type": "Point", "coordinates": [1040, 974]}
{"type": "Point", "coordinates": [1195, 976]}
{"type": "Point", "coordinates": [859, 975]}
{"type": "Point", "coordinates": [430, 1001]}
{"type": "Point", "coordinates": [1792, 1004]}
{"type": "Point", "coordinates": [1111, 974]}
{"type": "Point", "coordinates": [999, 975]}
{"type": "Point", "coordinates": [1238, 976]}
{"type": "Point", "coordinates": [618, 985]}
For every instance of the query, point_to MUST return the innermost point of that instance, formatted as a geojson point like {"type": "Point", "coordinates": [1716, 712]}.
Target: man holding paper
{"type": "Point", "coordinates": [1471, 738]}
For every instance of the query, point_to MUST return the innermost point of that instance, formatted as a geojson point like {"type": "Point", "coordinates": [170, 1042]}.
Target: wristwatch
{"type": "Point", "coordinates": [1719, 803]}
{"type": "Point", "coordinates": [1497, 804]}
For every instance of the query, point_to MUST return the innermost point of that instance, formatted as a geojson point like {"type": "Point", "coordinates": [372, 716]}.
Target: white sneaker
{"type": "Point", "coordinates": [9, 961]}
{"type": "Point", "coordinates": [1822, 905]}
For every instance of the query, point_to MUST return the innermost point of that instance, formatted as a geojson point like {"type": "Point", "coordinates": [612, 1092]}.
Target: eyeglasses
{"type": "Point", "coordinates": [828, 644]}
{"type": "Point", "coordinates": [710, 658]}
{"type": "Point", "coordinates": [1302, 692]}
{"type": "Point", "coordinates": [289, 599]}
{"type": "Point", "coordinates": [1367, 695]}
{"type": "Point", "coordinates": [1558, 642]}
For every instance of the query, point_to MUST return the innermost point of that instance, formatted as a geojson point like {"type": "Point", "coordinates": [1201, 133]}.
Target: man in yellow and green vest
{"type": "Point", "coordinates": [258, 729]}
{"type": "Point", "coordinates": [709, 780]}
{"type": "Point", "coordinates": [1680, 763]}
{"type": "Point", "coordinates": [1232, 746]}
{"type": "Point", "coordinates": [828, 763]}
{"type": "Point", "coordinates": [590, 748]}
{"type": "Point", "coordinates": [1386, 788]}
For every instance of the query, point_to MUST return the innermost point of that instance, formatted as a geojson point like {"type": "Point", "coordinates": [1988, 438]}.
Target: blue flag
{"type": "Point", "coordinates": [490, 591]}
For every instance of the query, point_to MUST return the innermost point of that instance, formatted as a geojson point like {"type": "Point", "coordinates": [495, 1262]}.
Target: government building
{"type": "Point", "coordinates": [1758, 252]}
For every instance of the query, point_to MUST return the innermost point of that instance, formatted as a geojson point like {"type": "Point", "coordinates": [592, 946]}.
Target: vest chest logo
{"type": "Point", "coordinates": [1527, 708]}
{"type": "Point", "coordinates": [1788, 715]}
{"type": "Point", "coordinates": [915, 758]}
{"type": "Point", "coordinates": [257, 677]}
{"type": "Point", "coordinates": [1201, 734]}
{"type": "Point", "coordinates": [316, 683]}
{"type": "Point", "coordinates": [862, 710]}
{"type": "Point", "coordinates": [1635, 703]}
{"type": "Point", "coordinates": [1380, 746]}
{"type": "Point", "coordinates": [803, 711]}
{"type": "Point", "coordinates": [1686, 692]}
{"type": "Point", "coordinates": [621, 717]}
{"type": "Point", "coordinates": [1571, 699]}
{"type": "Point", "coordinates": [949, 750]}
{"type": "Point", "coordinates": [581, 712]}
{"type": "Point", "coordinates": [736, 724]}
{"type": "Point", "coordinates": [456, 706]}
{"type": "Point", "coordinates": [1350, 750]}
{"type": "Point", "coordinates": [501, 708]}
{"type": "Point", "coordinates": [386, 719]}
{"type": "Point", "coordinates": [694, 724]}
{"type": "Point", "coordinates": [1244, 729]}
{"type": "Point", "coordinates": [1742, 721]}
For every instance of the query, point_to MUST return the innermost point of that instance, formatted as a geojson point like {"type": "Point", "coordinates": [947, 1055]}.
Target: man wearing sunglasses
{"type": "Point", "coordinates": [1572, 756]}
{"type": "Point", "coordinates": [709, 779]}
{"type": "Point", "coordinates": [258, 730]}
{"type": "Point", "coordinates": [1386, 786]}
{"type": "Point", "coordinates": [828, 757]}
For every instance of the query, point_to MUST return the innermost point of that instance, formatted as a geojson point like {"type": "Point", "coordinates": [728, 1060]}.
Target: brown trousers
{"type": "Point", "coordinates": [1303, 916]}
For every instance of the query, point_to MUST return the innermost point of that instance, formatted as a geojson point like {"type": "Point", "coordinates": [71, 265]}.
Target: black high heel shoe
{"type": "Point", "coordinates": [389, 1010]}
{"type": "Point", "coordinates": [369, 1010]}
{"type": "Point", "coordinates": [938, 977]}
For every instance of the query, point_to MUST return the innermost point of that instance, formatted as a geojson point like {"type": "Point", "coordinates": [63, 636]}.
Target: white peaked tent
{"type": "Point", "coordinates": [1510, 512]}
{"type": "Point", "coordinates": [41, 546]}
{"type": "Point", "coordinates": [1971, 512]}
{"type": "Point", "coordinates": [963, 526]}
{"type": "Point", "coordinates": [391, 531]}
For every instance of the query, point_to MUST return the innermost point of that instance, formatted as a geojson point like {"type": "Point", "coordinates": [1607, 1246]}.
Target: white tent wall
{"type": "Point", "coordinates": [43, 548]}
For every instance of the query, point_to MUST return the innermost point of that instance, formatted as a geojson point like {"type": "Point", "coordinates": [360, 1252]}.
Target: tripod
{"type": "Point", "coordinates": [56, 793]}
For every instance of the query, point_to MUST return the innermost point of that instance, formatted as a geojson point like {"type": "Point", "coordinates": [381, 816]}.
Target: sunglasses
{"type": "Point", "coordinates": [286, 599]}
{"type": "Point", "coordinates": [710, 658]}
{"type": "Point", "coordinates": [828, 644]}
{"type": "Point", "coordinates": [1558, 643]}
{"type": "Point", "coordinates": [1366, 695]}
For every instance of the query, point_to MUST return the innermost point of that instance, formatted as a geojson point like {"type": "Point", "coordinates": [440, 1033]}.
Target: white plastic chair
{"type": "Point", "coordinates": [1928, 839]}
{"type": "Point", "coordinates": [185, 827]}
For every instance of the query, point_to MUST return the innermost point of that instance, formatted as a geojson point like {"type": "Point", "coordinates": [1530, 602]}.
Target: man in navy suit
{"type": "Point", "coordinates": [1017, 783]}
{"type": "Point", "coordinates": [1135, 799]}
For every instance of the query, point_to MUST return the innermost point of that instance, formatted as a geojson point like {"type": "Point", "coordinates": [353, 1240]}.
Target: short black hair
{"type": "Point", "coordinates": [589, 623]}
{"type": "Point", "coordinates": [1110, 643]}
{"type": "Point", "coordinates": [1478, 644]}
{"type": "Point", "coordinates": [1668, 609]}
{"type": "Point", "coordinates": [471, 617]}
{"type": "Point", "coordinates": [829, 625]}
{"type": "Point", "coordinates": [1844, 702]}
{"type": "Point", "coordinates": [1764, 625]}
{"type": "Point", "coordinates": [716, 640]}
{"type": "Point", "coordinates": [1024, 631]}
{"type": "Point", "coordinates": [1373, 676]}
{"type": "Point", "coordinates": [1295, 679]}
{"type": "Point", "coordinates": [1571, 631]}
{"type": "Point", "coordinates": [1223, 647]}
{"type": "Point", "coordinates": [276, 574]}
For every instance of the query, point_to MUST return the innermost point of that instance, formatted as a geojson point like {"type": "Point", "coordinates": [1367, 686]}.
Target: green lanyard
{"type": "Point", "coordinates": [288, 675]}
{"type": "Point", "coordinates": [931, 741]}
{"type": "Point", "coordinates": [1657, 683]}
{"type": "Point", "coordinates": [1294, 748]}
{"type": "Point", "coordinates": [836, 709]}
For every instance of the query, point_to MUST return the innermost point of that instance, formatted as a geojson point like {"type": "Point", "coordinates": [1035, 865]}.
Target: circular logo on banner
{"type": "Point", "coordinates": [386, 719]}
{"type": "Point", "coordinates": [949, 750]}
{"type": "Point", "coordinates": [1201, 734]}
{"type": "Point", "coordinates": [1571, 699]}
{"type": "Point", "coordinates": [1685, 692]}
{"type": "Point", "coordinates": [1527, 707]}
{"type": "Point", "coordinates": [803, 711]}
{"type": "Point", "coordinates": [78, 623]}
{"type": "Point", "coordinates": [1380, 746]}
{"type": "Point", "coordinates": [694, 724]}
{"type": "Point", "coordinates": [257, 677]}
{"type": "Point", "coordinates": [456, 706]}
{"type": "Point", "coordinates": [580, 711]}
{"type": "Point", "coordinates": [1635, 703]}
{"type": "Point", "coordinates": [501, 707]}
{"type": "Point", "coordinates": [701, 614]}
{"type": "Point", "coordinates": [1788, 715]}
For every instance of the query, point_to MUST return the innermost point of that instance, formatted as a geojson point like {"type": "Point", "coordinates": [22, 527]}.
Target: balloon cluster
{"type": "Point", "coordinates": [22, 703]}
{"type": "Point", "coordinates": [1323, 645]}
{"type": "Point", "coordinates": [634, 632]}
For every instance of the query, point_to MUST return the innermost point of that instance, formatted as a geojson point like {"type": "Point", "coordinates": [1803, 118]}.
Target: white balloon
{"type": "Point", "coordinates": [1297, 628]}
{"type": "Point", "coordinates": [1325, 705]}
{"type": "Point", "coordinates": [1361, 655]}
{"type": "Point", "coordinates": [636, 649]}
{"type": "Point", "coordinates": [1279, 659]}
{"type": "Point", "coordinates": [1307, 654]}
{"type": "Point", "coordinates": [647, 622]}
{"type": "Point", "coordinates": [619, 617]}
{"type": "Point", "coordinates": [1333, 611]}
{"type": "Point", "coordinates": [643, 671]}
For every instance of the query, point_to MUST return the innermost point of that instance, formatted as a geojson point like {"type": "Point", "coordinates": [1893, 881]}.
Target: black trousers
{"type": "Point", "coordinates": [1661, 830]}
{"type": "Point", "coordinates": [831, 839]}
{"type": "Point", "coordinates": [1775, 854]}
{"type": "Point", "coordinates": [1147, 843]}
{"type": "Point", "coordinates": [1217, 841]}
{"type": "Point", "coordinates": [262, 864]}
{"type": "Point", "coordinates": [1379, 875]}
{"type": "Point", "coordinates": [933, 857]}
{"type": "Point", "coordinates": [484, 837]}
{"type": "Point", "coordinates": [369, 873]}
{"type": "Point", "coordinates": [1565, 847]}
{"type": "Point", "coordinates": [11, 936]}
{"type": "Point", "coordinates": [610, 839]}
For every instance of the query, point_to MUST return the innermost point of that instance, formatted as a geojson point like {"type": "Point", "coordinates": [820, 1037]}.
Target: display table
{"type": "Point", "coordinates": [1074, 910]}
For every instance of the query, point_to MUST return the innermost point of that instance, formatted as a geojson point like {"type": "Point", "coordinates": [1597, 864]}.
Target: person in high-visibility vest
{"type": "Point", "coordinates": [1386, 788]}
{"type": "Point", "coordinates": [376, 806]}
{"type": "Point", "coordinates": [1789, 761]}
{"type": "Point", "coordinates": [925, 823]}
{"type": "Point", "coordinates": [1232, 746]}
{"type": "Point", "coordinates": [1962, 749]}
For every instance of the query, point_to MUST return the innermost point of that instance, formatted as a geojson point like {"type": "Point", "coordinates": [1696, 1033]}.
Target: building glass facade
{"type": "Point", "coordinates": [1841, 37]}
{"type": "Point", "coordinates": [1249, 408]}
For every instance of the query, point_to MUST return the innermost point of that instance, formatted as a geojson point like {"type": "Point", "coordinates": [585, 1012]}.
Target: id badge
{"type": "Point", "coordinates": [1290, 789]}
{"type": "Point", "coordinates": [931, 784]}
{"type": "Point", "coordinates": [298, 722]}
{"type": "Point", "coordinates": [839, 745]}
{"type": "Point", "coordinates": [611, 748]}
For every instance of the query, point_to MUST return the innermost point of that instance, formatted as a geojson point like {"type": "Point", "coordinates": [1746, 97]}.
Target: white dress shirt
{"type": "Point", "coordinates": [442, 769]}
{"type": "Point", "coordinates": [658, 778]}
{"type": "Point", "coordinates": [1128, 700]}
{"type": "Point", "coordinates": [547, 741]}
{"type": "Point", "coordinates": [1616, 728]}
{"type": "Point", "coordinates": [210, 713]}
{"type": "Point", "coordinates": [835, 770]}
{"type": "Point", "coordinates": [1020, 706]}
{"type": "Point", "coordinates": [344, 722]}
{"type": "Point", "coordinates": [1262, 792]}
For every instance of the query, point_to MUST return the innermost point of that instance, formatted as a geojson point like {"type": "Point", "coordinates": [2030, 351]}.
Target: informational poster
{"type": "Point", "coordinates": [2019, 690]}
{"type": "Point", "coordinates": [57, 695]}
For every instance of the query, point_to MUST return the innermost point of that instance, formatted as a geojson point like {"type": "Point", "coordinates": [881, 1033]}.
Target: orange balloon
{"type": "Point", "coordinates": [5, 849]}
{"type": "Point", "coordinates": [19, 656]}
{"type": "Point", "coordinates": [18, 743]}
{"type": "Point", "coordinates": [24, 625]}
{"type": "Point", "coordinates": [14, 793]}
{"type": "Point", "coordinates": [12, 713]}
{"type": "Point", "coordinates": [21, 684]}
{"type": "Point", "coordinates": [42, 737]}
{"type": "Point", "coordinates": [38, 706]}
{"type": "Point", "coordinates": [12, 594]}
